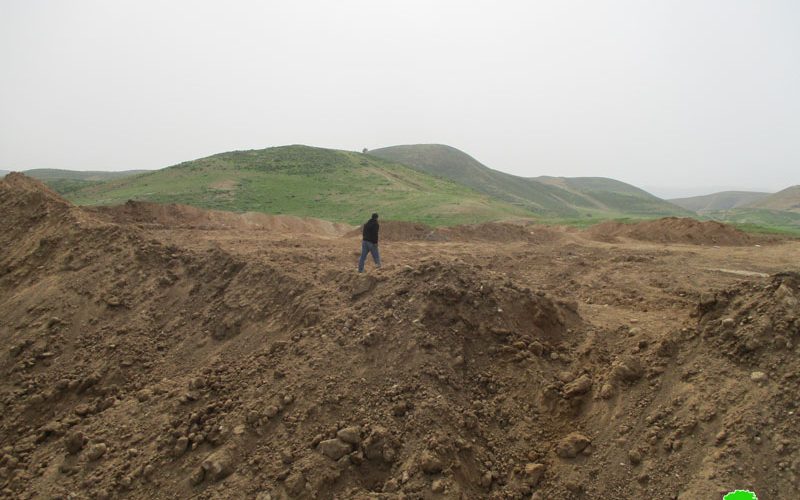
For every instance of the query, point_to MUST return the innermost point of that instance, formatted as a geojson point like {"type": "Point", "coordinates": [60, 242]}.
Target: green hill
{"type": "Point", "coordinates": [300, 180]}
{"type": "Point", "coordinates": [778, 212]}
{"type": "Point", "coordinates": [48, 174]}
{"type": "Point", "coordinates": [68, 181]}
{"type": "Point", "coordinates": [786, 200]}
{"type": "Point", "coordinates": [759, 219]}
{"type": "Point", "coordinates": [559, 197]}
{"type": "Point", "coordinates": [725, 200]}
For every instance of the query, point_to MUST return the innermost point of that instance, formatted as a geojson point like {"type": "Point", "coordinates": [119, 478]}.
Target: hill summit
{"type": "Point", "coordinates": [545, 196]}
{"type": "Point", "coordinates": [340, 186]}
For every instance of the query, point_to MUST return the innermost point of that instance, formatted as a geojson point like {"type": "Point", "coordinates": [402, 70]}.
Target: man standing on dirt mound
{"type": "Point", "coordinates": [369, 243]}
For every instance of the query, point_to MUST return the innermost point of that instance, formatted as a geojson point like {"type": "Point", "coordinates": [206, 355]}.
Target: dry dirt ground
{"type": "Point", "coordinates": [153, 352]}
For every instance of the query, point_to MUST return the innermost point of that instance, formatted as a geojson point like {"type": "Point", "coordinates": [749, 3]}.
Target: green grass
{"type": "Point", "coordinates": [765, 229]}
{"type": "Point", "coordinates": [759, 220]}
{"type": "Point", "coordinates": [66, 186]}
{"type": "Point", "coordinates": [51, 174]}
{"type": "Point", "coordinates": [299, 180]}
{"type": "Point", "coordinates": [768, 220]}
{"type": "Point", "coordinates": [65, 182]}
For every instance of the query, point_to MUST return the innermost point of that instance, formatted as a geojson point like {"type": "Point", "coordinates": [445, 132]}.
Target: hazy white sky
{"type": "Point", "coordinates": [688, 94]}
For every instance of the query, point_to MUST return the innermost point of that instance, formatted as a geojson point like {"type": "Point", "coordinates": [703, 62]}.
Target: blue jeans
{"type": "Point", "coordinates": [368, 247]}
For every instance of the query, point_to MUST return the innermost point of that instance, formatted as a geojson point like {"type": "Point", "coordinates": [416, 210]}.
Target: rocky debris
{"type": "Point", "coordinates": [219, 464]}
{"type": "Point", "coordinates": [786, 296]}
{"type": "Point", "coordinates": [572, 444]}
{"type": "Point", "coordinates": [295, 484]}
{"type": "Point", "coordinates": [430, 463]}
{"type": "Point", "coordinates": [351, 435]}
{"type": "Point", "coordinates": [758, 377]}
{"type": "Point", "coordinates": [96, 451]}
{"type": "Point", "coordinates": [578, 387]}
{"type": "Point", "coordinates": [627, 369]}
{"type": "Point", "coordinates": [379, 445]}
{"type": "Point", "coordinates": [181, 445]}
{"type": "Point", "coordinates": [82, 410]}
{"type": "Point", "coordinates": [74, 442]}
{"type": "Point", "coordinates": [334, 448]}
{"type": "Point", "coordinates": [534, 473]}
{"type": "Point", "coordinates": [363, 285]}
{"type": "Point", "coordinates": [197, 476]}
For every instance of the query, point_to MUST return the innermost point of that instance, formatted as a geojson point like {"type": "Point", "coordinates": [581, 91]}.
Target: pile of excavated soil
{"type": "Point", "coordinates": [755, 326]}
{"type": "Point", "coordinates": [394, 230]}
{"type": "Point", "coordinates": [135, 368]}
{"type": "Point", "coordinates": [143, 369]}
{"type": "Point", "coordinates": [155, 215]}
{"type": "Point", "coordinates": [496, 232]}
{"type": "Point", "coordinates": [674, 230]}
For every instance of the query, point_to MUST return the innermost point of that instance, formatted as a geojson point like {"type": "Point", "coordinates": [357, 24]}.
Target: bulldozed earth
{"type": "Point", "coordinates": [162, 351]}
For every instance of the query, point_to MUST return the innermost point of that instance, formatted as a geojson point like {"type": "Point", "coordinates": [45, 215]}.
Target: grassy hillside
{"type": "Point", "coordinates": [787, 200]}
{"type": "Point", "coordinates": [300, 180]}
{"type": "Point", "coordinates": [68, 181]}
{"type": "Point", "coordinates": [48, 174]}
{"type": "Point", "coordinates": [779, 212]}
{"type": "Point", "coordinates": [725, 200]}
{"type": "Point", "coordinates": [778, 221]}
{"type": "Point", "coordinates": [450, 163]}
{"type": "Point", "coordinates": [593, 197]}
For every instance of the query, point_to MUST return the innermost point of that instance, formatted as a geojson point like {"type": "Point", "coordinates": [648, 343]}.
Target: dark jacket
{"type": "Point", "coordinates": [370, 232]}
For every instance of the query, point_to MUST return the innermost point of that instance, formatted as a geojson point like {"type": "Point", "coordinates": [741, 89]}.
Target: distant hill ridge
{"type": "Point", "coordinates": [545, 196]}
{"type": "Point", "coordinates": [45, 174]}
{"type": "Point", "coordinates": [725, 200]}
{"type": "Point", "coordinates": [67, 181]}
{"type": "Point", "coordinates": [430, 183]}
{"type": "Point", "coordinates": [776, 211]}
{"type": "Point", "coordinates": [787, 200]}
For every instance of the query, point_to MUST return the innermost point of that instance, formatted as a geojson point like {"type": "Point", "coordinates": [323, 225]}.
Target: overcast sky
{"type": "Point", "coordinates": [679, 97]}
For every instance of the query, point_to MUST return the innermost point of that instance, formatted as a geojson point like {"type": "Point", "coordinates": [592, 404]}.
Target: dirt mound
{"type": "Point", "coordinates": [139, 369]}
{"type": "Point", "coordinates": [183, 216]}
{"type": "Point", "coordinates": [674, 230]}
{"type": "Point", "coordinates": [497, 232]}
{"type": "Point", "coordinates": [393, 230]}
{"type": "Point", "coordinates": [26, 199]}
{"type": "Point", "coordinates": [755, 327]}
{"type": "Point", "coordinates": [754, 319]}
{"type": "Point", "coordinates": [145, 369]}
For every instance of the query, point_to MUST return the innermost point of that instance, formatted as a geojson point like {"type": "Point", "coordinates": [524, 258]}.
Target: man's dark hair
{"type": "Point", "coordinates": [374, 216]}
